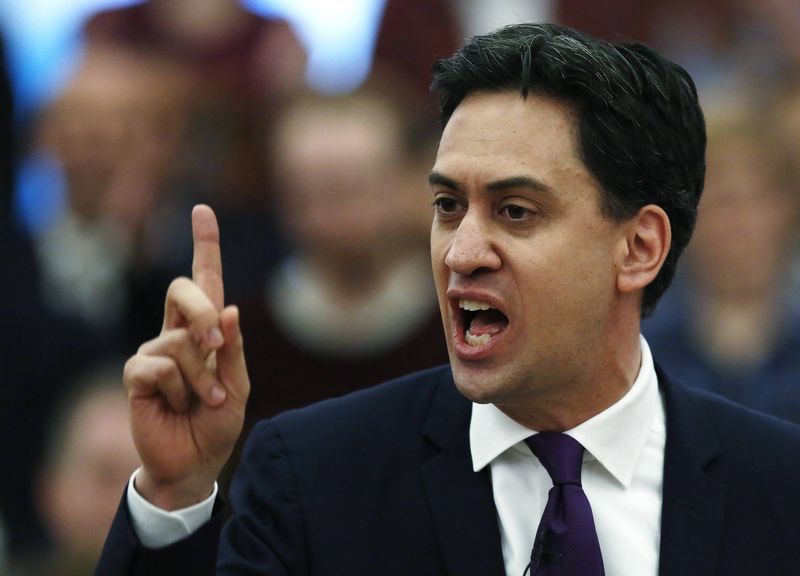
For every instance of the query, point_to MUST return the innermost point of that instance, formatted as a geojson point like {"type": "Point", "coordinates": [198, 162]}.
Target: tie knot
{"type": "Point", "coordinates": [561, 455]}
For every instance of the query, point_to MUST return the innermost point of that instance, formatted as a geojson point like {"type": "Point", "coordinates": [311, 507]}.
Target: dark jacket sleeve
{"type": "Point", "coordinates": [265, 534]}
{"type": "Point", "coordinates": [123, 554]}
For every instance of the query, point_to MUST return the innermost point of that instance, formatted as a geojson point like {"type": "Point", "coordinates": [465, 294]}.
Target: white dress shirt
{"type": "Point", "coordinates": [156, 527]}
{"type": "Point", "coordinates": [622, 476]}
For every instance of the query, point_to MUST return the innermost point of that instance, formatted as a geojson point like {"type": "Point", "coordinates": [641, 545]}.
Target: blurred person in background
{"type": "Point", "coordinates": [232, 51]}
{"type": "Point", "coordinates": [412, 34]}
{"type": "Point", "coordinates": [242, 66]}
{"type": "Point", "coordinates": [38, 350]}
{"type": "Point", "coordinates": [732, 42]}
{"type": "Point", "coordinates": [352, 303]}
{"type": "Point", "coordinates": [785, 112]}
{"type": "Point", "coordinates": [437, 33]}
{"type": "Point", "coordinates": [116, 132]}
{"type": "Point", "coordinates": [9, 234]}
{"type": "Point", "coordinates": [89, 451]}
{"type": "Point", "coordinates": [733, 325]}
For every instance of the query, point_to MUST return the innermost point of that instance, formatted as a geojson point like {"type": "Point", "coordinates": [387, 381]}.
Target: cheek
{"type": "Point", "coordinates": [568, 286]}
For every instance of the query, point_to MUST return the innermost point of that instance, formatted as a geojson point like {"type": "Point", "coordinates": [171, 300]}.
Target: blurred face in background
{"type": "Point", "coordinates": [339, 172]}
{"type": "Point", "coordinates": [745, 228]}
{"type": "Point", "coordinates": [116, 132]}
{"type": "Point", "coordinates": [81, 489]}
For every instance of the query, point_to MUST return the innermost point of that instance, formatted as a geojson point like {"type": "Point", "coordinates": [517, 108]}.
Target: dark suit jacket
{"type": "Point", "coordinates": [381, 482]}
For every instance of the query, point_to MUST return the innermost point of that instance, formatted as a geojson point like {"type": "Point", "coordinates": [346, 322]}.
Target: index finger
{"type": "Point", "coordinates": [207, 261]}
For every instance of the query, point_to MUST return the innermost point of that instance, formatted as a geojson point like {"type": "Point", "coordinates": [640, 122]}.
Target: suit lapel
{"type": "Point", "coordinates": [461, 501]}
{"type": "Point", "coordinates": [693, 505]}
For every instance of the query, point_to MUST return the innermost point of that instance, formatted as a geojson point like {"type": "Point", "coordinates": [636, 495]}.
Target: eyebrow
{"type": "Point", "coordinates": [437, 178]}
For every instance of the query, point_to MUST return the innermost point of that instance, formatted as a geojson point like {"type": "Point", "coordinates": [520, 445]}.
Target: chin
{"type": "Point", "coordinates": [477, 388]}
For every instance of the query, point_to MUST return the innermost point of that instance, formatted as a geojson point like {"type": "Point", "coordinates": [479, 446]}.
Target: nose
{"type": "Point", "coordinates": [472, 249]}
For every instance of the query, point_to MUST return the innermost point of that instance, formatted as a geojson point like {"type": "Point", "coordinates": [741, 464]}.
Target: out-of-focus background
{"type": "Point", "coordinates": [308, 126]}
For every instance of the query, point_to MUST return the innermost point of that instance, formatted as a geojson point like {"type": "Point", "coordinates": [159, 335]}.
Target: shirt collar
{"type": "Point", "coordinates": [615, 437]}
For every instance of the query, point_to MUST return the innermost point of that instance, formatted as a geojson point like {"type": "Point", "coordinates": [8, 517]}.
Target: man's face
{"type": "Point", "coordinates": [517, 228]}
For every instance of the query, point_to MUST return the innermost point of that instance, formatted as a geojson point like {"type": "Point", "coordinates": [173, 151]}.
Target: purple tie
{"type": "Point", "coordinates": [566, 542]}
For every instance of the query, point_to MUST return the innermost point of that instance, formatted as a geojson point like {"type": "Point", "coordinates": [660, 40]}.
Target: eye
{"type": "Point", "coordinates": [516, 212]}
{"type": "Point", "coordinates": [445, 205]}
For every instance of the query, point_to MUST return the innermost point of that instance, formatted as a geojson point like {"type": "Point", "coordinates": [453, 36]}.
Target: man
{"type": "Point", "coordinates": [565, 187]}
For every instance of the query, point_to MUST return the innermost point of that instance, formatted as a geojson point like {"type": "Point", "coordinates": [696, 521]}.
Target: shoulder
{"type": "Point", "coordinates": [740, 423]}
{"type": "Point", "coordinates": [399, 406]}
{"type": "Point", "coordinates": [747, 442]}
{"type": "Point", "coordinates": [410, 392]}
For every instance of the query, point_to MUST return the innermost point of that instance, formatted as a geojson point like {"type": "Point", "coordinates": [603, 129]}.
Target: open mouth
{"type": "Point", "coordinates": [480, 322]}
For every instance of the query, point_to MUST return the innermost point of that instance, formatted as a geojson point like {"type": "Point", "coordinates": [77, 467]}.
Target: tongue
{"type": "Point", "coordinates": [487, 322]}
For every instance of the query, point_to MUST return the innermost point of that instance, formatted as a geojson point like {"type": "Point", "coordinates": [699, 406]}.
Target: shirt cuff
{"type": "Point", "coordinates": [158, 528]}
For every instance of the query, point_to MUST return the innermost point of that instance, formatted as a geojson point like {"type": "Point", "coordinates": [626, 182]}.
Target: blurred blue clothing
{"type": "Point", "coordinates": [772, 386]}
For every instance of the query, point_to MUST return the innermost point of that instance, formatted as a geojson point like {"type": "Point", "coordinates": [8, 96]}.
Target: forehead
{"type": "Point", "coordinates": [491, 134]}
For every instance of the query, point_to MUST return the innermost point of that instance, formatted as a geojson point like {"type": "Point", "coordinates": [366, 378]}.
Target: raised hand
{"type": "Point", "coordinates": [188, 387]}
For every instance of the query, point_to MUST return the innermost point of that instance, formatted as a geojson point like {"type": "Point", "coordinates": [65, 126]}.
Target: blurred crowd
{"type": "Point", "coordinates": [324, 211]}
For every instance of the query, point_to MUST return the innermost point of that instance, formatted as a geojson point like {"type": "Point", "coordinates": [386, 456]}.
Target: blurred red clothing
{"type": "Point", "coordinates": [252, 56]}
{"type": "Point", "coordinates": [414, 34]}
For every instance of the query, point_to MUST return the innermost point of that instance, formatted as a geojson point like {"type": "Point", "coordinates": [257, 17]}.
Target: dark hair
{"type": "Point", "coordinates": [640, 128]}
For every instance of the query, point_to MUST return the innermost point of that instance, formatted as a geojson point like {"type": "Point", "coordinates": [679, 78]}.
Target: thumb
{"type": "Point", "coordinates": [231, 366]}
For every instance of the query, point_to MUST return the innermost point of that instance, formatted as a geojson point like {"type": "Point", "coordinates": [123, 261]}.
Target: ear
{"type": "Point", "coordinates": [647, 241]}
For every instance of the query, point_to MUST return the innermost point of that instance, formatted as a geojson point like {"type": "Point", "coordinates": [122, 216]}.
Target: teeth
{"type": "Point", "coordinates": [473, 305]}
{"type": "Point", "coordinates": [473, 340]}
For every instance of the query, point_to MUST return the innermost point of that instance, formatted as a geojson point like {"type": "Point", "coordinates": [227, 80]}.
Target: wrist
{"type": "Point", "coordinates": [171, 496]}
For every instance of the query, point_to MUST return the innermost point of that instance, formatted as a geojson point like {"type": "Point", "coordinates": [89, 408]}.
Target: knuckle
{"type": "Point", "coordinates": [167, 370]}
{"type": "Point", "coordinates": [129, 370]}
{"type": "Point", "coordinates": [166, 344]}
{"type": "Point", "coordinates": [206, 317]}
{"type": "Point", "coordinates": [174, 341]}
{"type": "Point", "coordinates": [177, 285]}
{"type": "Point", "coordinates": [185, 355]}
{"type": "Point", "coordinates": [143, 349]}
{"type": "Point", "coordinates": [180, 338]}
